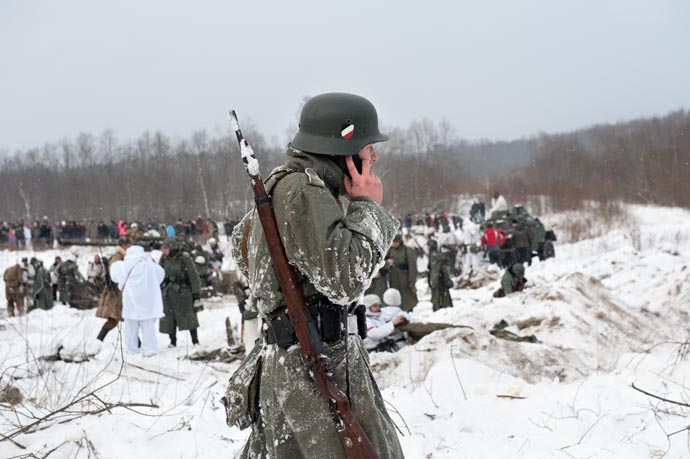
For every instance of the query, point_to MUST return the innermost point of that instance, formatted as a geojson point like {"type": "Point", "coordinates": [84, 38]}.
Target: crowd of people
{"type": "Point", "coordinates": [37, 235]}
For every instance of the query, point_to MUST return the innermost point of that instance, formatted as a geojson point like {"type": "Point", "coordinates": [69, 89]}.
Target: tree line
{"type": "Point", "coordinates": [423, 166]}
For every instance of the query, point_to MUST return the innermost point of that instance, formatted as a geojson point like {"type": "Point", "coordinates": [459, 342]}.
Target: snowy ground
{"type": "Point", "coordinates": [608, 311]}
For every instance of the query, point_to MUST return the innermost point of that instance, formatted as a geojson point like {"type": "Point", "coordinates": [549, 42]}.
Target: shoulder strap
{"type": "Point", "coordinates": [127, 278]}
{"type": "Point", "coordinates": [245, 238]}
{"type": "Point", "coordinates": [271, 181]}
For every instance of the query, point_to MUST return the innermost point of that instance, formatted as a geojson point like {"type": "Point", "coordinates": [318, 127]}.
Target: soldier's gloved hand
{"type": "Point", "coordinates": [195, 297]}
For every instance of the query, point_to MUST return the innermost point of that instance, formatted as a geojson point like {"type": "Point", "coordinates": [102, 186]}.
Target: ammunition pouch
{"type": "Point", "coordinates": [329, 320]}
{"type": "Point", "coordinates": [361, 314]}
{"type": "Point", "coordinates": [241, 398]}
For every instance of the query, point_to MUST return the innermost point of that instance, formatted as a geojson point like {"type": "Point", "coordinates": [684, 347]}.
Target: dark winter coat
{"type": "Point", "coordinates": [69, 280]}
{"type": "Point", "coordinates": [181, 282]}
{"type": "Point", "coordinates": [511, 282]}
{"type": "Point", "coordinates": [439, 280]}
{"type": "Point", "coordinates": [336, 244]}
{"type": "Point", "coordinates": [403, 274]}
{"type": "Point", "coordinates": [521, 238]}
{"type": "Point", "coordinates": [379, 284]}
{"type": "Point", "coordinates": [41, 290]}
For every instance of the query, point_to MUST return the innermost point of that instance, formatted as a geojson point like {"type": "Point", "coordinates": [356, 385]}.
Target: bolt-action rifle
{"type": "Point", "coordinates": [319, 367]}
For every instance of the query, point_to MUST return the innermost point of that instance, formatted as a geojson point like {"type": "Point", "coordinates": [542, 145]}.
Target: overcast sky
{"type": "Point", "coordinates": [493, 69]}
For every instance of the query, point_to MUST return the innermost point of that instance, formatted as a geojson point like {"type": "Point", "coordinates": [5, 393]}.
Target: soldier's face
{"type": "Point", "coordinates": [165, 250]}
{"type": "Point", "coordinates": [368, 153]}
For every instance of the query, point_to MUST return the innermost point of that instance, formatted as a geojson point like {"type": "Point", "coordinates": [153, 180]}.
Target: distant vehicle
{"type": "Point", "coordinates": [542, 239]}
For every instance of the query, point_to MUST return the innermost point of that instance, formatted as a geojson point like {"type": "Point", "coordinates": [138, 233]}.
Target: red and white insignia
{"type": "Point", "coordinates": [348, 131]}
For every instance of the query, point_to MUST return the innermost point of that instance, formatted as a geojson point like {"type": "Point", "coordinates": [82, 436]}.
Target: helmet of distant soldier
{"type": "Point", "coordinates": [170, 243]}
{"type": "Point", "coordinates": [212, 241]}
{"type": "Point", "coordinates": [200, 260]}
{"type": "Point", "coordinates": [519, 269]}
{"type": "Point", "coordinates": [337, 124]}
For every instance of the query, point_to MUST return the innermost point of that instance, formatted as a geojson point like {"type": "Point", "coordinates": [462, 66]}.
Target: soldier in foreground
{"type": "Point", "coordinates": [327, 204]}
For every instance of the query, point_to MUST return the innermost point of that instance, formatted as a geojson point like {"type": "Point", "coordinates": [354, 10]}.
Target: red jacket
{"type": "Point", "coordinates": [492, 236]}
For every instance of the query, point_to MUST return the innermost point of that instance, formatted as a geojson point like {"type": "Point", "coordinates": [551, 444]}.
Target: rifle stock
{"type": "Point", "coordinates": [352, 436]}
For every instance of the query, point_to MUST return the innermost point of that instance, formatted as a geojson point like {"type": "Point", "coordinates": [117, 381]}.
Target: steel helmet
{"type": "Point", "coordinates": [337, 124]}
{"type": "Point", "coordinates": [519, 269]}
{"type": "Point", "coordinates": [171, 244]}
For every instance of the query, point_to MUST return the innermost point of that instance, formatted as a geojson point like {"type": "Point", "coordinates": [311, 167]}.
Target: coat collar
{"type": "Point", "coordinates": [329, 171]}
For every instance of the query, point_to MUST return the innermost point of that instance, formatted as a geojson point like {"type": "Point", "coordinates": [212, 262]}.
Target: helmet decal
{"type": "Point", "coordinates": [348, 131]}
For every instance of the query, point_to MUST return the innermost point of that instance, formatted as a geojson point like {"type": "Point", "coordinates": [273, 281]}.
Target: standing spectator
{"type": "Point", "coordinates": [477, 211]}
{"type": "Point", "coordinates": [492, 240]}
{"type": "Point", "coordinates": [139, 279]}
{"type": "Point", "coordinates": [121, 228]}
{"type": "Point", "coordinates": [522, 241]}
{"type": "Point", "coordinates": [35, 233]}
{"type": "Point", "coordinates": [408, 223]}
{"type": "Point", "coordinates": [498, 203]}
{"type": "Point", "coordinates": [103, 231]}
{"type": "Point", "coordinates": [13, 238]}
{"type": "Point", "coordinates": [46, 231]}
{"type": "Point", "coordinates": [228, 226]}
